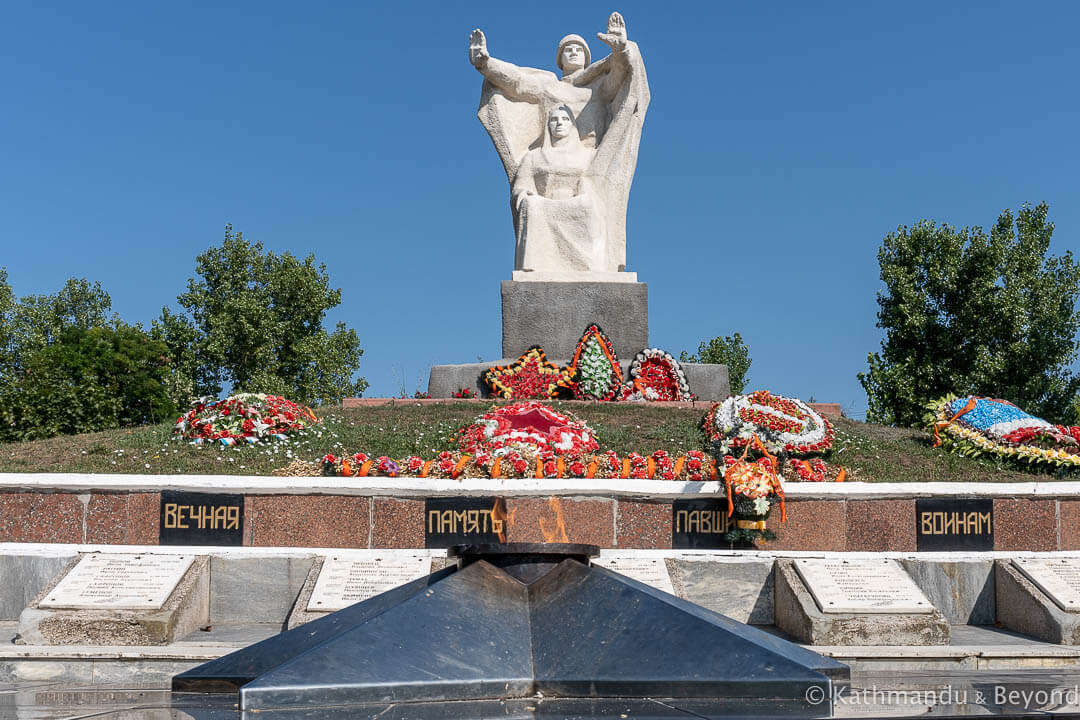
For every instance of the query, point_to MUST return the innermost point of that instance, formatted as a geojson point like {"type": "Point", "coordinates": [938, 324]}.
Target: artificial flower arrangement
{"type": "Point", "coordinates": [594, 372]}
{"type": "Point", "coordinates": [753, 489]}
{"type": "Point", "coordinates": [812, 470]}
{"type": "Point", "coordinates": [531, 376]}
{"type": "Point", "coordinates": [244, 417]}
{"type": "Point", "coordinates": [776, 430]}
{"type": "Point", "coordinates": [971, 426]}
{"type": "Point", "coordinates": [656, 376]}
{"type": "Point", "coordinates": [527, 426]}
{"type": "Point", "coordinates": [783, 425]}
{"type": "Point", "coordinates": [694, 466]}
{"type": "Point", "coordinates": [528, 439]}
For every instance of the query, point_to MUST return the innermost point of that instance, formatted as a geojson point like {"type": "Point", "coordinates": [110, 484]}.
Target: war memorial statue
{"type": "Point", "coordinates": [569, 146]}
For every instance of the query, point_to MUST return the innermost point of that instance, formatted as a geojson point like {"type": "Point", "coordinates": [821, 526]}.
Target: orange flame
{"type": "Point", "coordinates": [500, 520]}
{"type": "Point", "coordinates": [556, 533]}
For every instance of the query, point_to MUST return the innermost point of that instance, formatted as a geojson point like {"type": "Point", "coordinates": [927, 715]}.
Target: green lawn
{"type": "Point", "coordinates": [870, 453]}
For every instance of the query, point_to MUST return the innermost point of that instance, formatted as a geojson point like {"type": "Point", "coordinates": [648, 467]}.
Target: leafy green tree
{"type": "Point", "coordinates": [34, 321]}
{"type": "Point", "coordinates": [39, 319]}
{"type": "Point", "coordinates": [257, 323]}
{"type": "Point", "coordinates": [188, 379]}
{"type": "Point", "coordinates": [729, 350]}
{"type": "Point", "coordinates": [87, 380]}
{"type": "Point", "coordinates": [7, 326]}
{"type": "Point", "coordinates": [968, 313]}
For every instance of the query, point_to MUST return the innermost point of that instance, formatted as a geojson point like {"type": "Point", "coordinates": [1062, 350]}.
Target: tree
{"type": "Point", "coordinates": [188, 379]}
{"type": "Point", "coordinates": [34, 321]}
{"type": "Point", "coordinates": [728, 350]}
{"type": "Point", "coordinates": [68, 366]}
{"type": "Point", "coordinates": [87, 380]}
{"type": "Point", "coordinates": [256, 322]}
{"type": "Point", "coordinates": [968, 313]}
{"type": "Point", "coordinates": [7, 326]}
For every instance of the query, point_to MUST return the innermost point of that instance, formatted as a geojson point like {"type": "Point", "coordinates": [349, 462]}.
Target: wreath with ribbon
{"type": "Point", "coordinates": [527, 426]}
{"type": "Point", "coordinates": [783, 425]}
{"type": "Point", "coordinates": [972, 425]}
{"type": "Point", "coordinates": [594, 372]}
{"type": "Point", "coordinates": [753, 488]}
{"type": "Point", "coordinates": [244, 417]}
{"type": "Point", "coordinates": [656, 376]}
{"type": "Point", "coordinates": [530, 376]}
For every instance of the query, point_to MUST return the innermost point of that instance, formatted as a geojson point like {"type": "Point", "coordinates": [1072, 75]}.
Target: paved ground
{"type": "Point", "coordinates": [1023, 693]}
{"type": "Point", "coordinates": [985, 671]}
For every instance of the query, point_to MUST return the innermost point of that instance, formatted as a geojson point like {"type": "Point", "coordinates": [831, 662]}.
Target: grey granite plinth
{"type": "Point", "coordinates": [962, 590]}
{"type": "Point", "coordinates": [299, 613]}
{"type": "Point", "coordinates": [185, 611]}
{"type": "Point", "coordinates": [554, 315]}
{"type": "Point", "coordinates": [707, 382]}
{"type": "Point", "coordinates": [255, 590]}
{"type": "Point", "coordinates": [445, 380]}
{"type": "Point", "coordinates": [24, 576]}
{"type": "Point", "coordinates": [1024, 607]}
{"type": "Point", "coordinates": [797, 614]}
{"type": "Point", "coordinates": [742, 589]}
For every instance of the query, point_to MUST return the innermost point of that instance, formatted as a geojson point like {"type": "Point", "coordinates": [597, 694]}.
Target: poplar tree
{"type": "Point", "coordinates": [969, 313]}
{"type": "Point", "coordinates": [255, 321]}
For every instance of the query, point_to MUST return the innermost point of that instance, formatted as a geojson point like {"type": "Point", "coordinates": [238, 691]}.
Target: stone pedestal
{"type": "Point", "coordinates": [798, 615]}
{"type": "Point", "coordinates": [186, 610]}
{"type": "Point", "coordinates": [1025, 608]}
{"type": "Point", "coordinates": [554, 315]}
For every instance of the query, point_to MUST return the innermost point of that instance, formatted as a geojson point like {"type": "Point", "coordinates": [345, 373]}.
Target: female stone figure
{"type": "Point", "coordinates": [606, 102]}
{"type": "Point", "coordinates": [559, 211]}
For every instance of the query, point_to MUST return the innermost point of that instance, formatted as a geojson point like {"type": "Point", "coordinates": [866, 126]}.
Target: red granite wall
{"type": "Point", "coordinates": [345, 521]}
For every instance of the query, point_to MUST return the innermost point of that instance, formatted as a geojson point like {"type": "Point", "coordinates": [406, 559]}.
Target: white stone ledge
{"type": "Point", "coordinates": [176, 651]}
{"type": "Point", "coordinates": [435, 487]}
{"type": "Point", "coordinates": [930, 652]}
{"type": "Point", "coordinates": [19, 549]}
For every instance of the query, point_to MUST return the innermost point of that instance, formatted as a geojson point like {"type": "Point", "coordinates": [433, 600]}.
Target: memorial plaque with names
{"type": "Point", "coordinates": [460, 520]}
{"type": "Point", "coordinates": [1059, 578]}
{"type": "Point", "coordinates": [954, 524]}
{"type": "Point", "coordinates": [699, 524]}
{"type": "Point", "coordinates": [348, 579]}
{"type": "Point", "coordinates": [191, 518]}
{"type": "Point", "coordinates": [862, 586]}
{"type": "Point", "coordinates": [119, 582]}
{"type": "Point", "coordinates": [651, 571]}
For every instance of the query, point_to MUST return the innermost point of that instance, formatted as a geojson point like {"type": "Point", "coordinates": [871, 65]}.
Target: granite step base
{"type": "Point", "coordinates": [708, 382]}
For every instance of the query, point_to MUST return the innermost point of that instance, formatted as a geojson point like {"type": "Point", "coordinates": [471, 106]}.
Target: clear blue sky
{"type": "Point", "coordinates": [784, 140]}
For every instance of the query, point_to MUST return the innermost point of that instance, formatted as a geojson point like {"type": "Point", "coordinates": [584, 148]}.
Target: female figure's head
{"type": "Point", "coordinates": [560, 124]}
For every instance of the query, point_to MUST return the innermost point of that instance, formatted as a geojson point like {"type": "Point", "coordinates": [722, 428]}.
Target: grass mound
{"type": "Point", "coordinates": [870, 453]}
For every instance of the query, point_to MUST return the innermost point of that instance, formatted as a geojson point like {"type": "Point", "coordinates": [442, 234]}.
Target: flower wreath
{"type": "Point", "coordinates": [783, 424]}
{"type": "Point", "coordinates": [530, 376]}
{"type": "Point", "coordinates": [594, 373]}
{"type": "Point", "coordinates": [525, 426]}
{"type": "Point", "coordinates": [753, 487]}
{"type": "Point", "coordinates": [530, 462]}
{"type": "Point", "coordinates": [248, 417]}
{"type": "Point", "coordinates": [656, 375]}
{"type": "Point", "coordinates": [973, 425]}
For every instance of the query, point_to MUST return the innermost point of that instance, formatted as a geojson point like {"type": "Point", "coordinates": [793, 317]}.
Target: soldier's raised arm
{"type": "Point", "coordinates": [519, 83]}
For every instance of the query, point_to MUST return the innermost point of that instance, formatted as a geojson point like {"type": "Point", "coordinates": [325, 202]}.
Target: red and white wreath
{"type": "Point", "coordinates": [656, 376]}
{"type": "Point", "coordinates": [527, 426]}
{"type": "Point", "coordinates": [785, 425]}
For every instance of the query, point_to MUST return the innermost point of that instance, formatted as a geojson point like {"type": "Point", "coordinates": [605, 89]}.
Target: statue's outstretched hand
{"type": "Point", "coordinates": [616, 32]}
{"type": "Point", "coordinates": [478, 54]}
